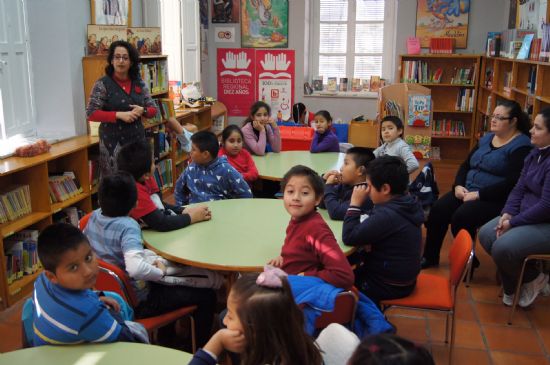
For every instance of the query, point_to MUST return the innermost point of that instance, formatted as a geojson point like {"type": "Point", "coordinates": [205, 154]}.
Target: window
{"type": "Point", "coordinates": [352, 38]}
{"type": "Point", "coordinates": [16, 103]}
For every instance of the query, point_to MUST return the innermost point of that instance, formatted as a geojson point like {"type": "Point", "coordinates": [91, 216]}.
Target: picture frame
{"type": "Point", "coordinates": [443, 18]}
{"type": "Point", "coordinates": [147, 40]}
{"type": "Point", "coordinates": [225, 11]}
{"type": "Point", "coordinates": [263, 27]}
{"type": "Point", "coordinates": [111, 12]}
{"type": "Point", "coordinates": [100, 38]}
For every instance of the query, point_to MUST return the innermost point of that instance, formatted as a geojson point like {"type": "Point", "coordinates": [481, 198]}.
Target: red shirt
{"type": "Point", "coordinates": [243, 163]}
{"type": "Point", "coordinates": [145, 204]}
{"type": "Point", "coordinates": [311, 248]}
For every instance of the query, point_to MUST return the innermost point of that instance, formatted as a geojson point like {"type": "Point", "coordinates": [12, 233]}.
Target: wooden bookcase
{"type": "Point", "coordinates": [70, 155]}
{"type": "Point", "coordinates": [453, 148]}
{"type": "Point", "coordinates": [524, 81]}
{"type": "Point", "coordinates": [94, 68]}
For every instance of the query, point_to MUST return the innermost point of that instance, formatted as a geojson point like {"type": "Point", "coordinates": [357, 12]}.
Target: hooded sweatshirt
{"type": "Point", "coordinates": [393, 230]}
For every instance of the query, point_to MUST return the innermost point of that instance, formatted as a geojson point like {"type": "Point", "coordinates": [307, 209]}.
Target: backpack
{"type": "Point", "coordinates": [424, 187]}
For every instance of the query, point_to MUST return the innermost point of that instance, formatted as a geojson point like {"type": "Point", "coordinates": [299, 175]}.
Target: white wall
{"type": "Point", "coordinates": [57, 40]}
{"type": "Point", "coordinates": [485, 16]}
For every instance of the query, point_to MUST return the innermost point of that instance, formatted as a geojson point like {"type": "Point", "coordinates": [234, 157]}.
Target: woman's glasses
{"type": "Point", "coordinates": [500, 118]}
{"type": "Point", "coordinates": [121, 58]}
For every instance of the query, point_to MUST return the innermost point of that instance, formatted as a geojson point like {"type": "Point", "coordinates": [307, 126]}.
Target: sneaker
{"type": "Point", "coordinates": [530, 291]}
{"type": "Point", "coordinates": [545, 292]}
{"type": "Point", "coordinates": [508, 300]}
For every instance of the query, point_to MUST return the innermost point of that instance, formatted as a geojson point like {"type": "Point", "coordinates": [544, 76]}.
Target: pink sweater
{"type": "Point", "coordinates": [256, 145]}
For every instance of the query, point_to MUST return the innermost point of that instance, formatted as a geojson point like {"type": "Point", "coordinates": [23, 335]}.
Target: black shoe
{"type": "Point", "coordinates": [425, 263]}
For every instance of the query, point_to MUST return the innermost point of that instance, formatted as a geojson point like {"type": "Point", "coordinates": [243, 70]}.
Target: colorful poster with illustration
{"type": "Point", "coordinates": [442, 18]}
{"type": "Point", "coordinates": [275, 81]}
{"type": "Point", "coordinates": [236, 79]}
{"type": "Point", "coordinates": [225, 11]}
{"type": "Point", "coordinates": [146, 40]}
{"type": "Point", "coordinates": [419, 110]}
{"type": "Point", "coordinates": [100, 38]}
{"type": "Point", "coordinates": [264, 23]}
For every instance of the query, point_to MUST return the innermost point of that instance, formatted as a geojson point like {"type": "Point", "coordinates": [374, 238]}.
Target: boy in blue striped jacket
{"type": "Point", "coordinates": [66, 310]}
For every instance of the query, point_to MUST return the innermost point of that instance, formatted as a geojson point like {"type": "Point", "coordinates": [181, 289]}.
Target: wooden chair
{"type": "Point", "coordinates": [544, 257]}
{"type": "Point", "coordinates": [438, 293]}
{"type": "Point", "coordinates": [345, 306]}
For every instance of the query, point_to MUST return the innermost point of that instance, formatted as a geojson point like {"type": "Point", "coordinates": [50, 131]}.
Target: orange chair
{"type": "Point", "coordinates": [345, 306]}
{"type": "Point", "coordinates": [84, 221]}
{"type": "Point", "coordinates": [438, 293]}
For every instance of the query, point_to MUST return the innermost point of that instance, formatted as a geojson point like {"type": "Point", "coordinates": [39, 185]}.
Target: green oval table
{"type": "Point", "coordinates": [273, 166]}
{"type": "Point", "coordinates": [101, 354]}
{"type": "Point", "coordinates": [243, 235]}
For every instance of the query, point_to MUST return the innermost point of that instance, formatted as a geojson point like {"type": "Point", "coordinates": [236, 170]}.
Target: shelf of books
{"type": "Point", "coordinates": [37, 191]}
{"type": "Point", "coordinates": [454, 81]}
{"type": "Point", "coordinates": [524, 81]}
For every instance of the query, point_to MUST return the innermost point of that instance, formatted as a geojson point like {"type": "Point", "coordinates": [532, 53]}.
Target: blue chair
{"type": "Point", "coordinates": [27, 319]}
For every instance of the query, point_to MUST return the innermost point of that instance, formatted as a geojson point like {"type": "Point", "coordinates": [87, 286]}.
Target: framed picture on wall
{"type": "Point", "coordinates": [264, 24]}
{"type": "Point", "coordinates": [442, 18]}
{"type": "Point", "coordinates": [225, 11]}
{"type": "Point", "coordinates": [111, 12]}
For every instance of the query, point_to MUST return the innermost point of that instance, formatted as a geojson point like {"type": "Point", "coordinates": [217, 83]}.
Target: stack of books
{"type": "Point", "coordinates": [465, 100]}
{"type": "Point", "coordinates": [155, 75]}
{"type": "Point", "coordinates": [15, 202]}
{"type": "Point", "coordinates": [441, 45]}
{"type": "Point", "coordinates": [63, 187]}
{"type": "Point", "coordinates": [163, 174]}
{"type": "Point", "coordinates": [21, 254]}
{"type": "Point", "coordinates": [447, 127]}
{"type": "Point", "coordinates": [418, 72]}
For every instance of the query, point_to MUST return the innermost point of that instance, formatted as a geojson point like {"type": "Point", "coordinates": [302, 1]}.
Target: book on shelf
{"type": "Point", "coordinates": [69, 215]}
{"type": "Point", "coordinates": [464, 76]}
{"type": "Point", "coordinates": [413, 45]}
{"type": "Point", "coordinates": [489, 72]}
{"type": "Point", "coordinates": [374, 83]}
{"type": "Point", "coordinates": [154, 74]}
{"type": "Point", "coordinates": [489, 108]}
{"type": "Point", "coordinates": [420, 107]}
{"type": "Point", "coordinates": [317, 83]}
{"type": "Point", "coordinates": [465, 100]}
{"type": "Point", "coordinates": [436, 153]}
{"type": "Point", "coordinates": [159, 141]}
{"type": "Point", "coordinates": [420, 72]}
{"type": "Point", "coordinates": [15, 202]}
{"type": "Point", "coordinates": [507, 81]}
{"type": "Point", "coordinates": [355, 84]}
{"type": "Point", "coordinates": [174, 91]}
{"type": "Point", "coordinates": [448, 127]}
{"type": "Point", "coordinates": [392, 107]}
{"type": "Point", "coordinates": [535, 49]}
{"type": "Point", "coordinates": [332, 84]}
{"type": "Point", "coordinates": [21, 254]}
{"type": "Point", "coordinates": [63, 186]}
{"type": "Point", "coordinates": [544, 54]}
{"type": "Point", "coordinates": [343, 84]}
{"type": "Point", "coordinates": [523, 53]}
{"type": "Point", "coordinates": [441, 45]}
{"type": "Point", "coordinates": [163, 174]}
{"type": "Point", "coordinates": [492, 39]}
{"type": "Point", "coordinates": [365, 84]}
{"type": "Point", "coordinates": [509, 37]}
{"type": "Point", "coordinates": [532, 80]}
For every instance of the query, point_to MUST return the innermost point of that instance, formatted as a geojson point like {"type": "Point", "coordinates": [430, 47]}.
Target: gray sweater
{"type": "Point", "coordinates": [401, 149]}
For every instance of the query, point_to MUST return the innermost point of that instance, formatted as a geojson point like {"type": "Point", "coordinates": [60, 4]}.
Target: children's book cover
{"type": "Point", "coordinates": [343, 84]}
{"type": "Point", "coordinates": [264, 24]}
{"type": "Point", "coordinates": [332, 84]}
{"type": "Point", "coordinates": [100, 38]}
{"type": "Point", "coordinates": [355, 84]}
{"type": "Point", "coordinates": [421, 146]}
{"type": "Point", "coordinates": [146, 40]}
{"type": "Point", "coordinates": [442, 18]}
{"type": "Point", "coordinates": [317, 83]}
{"type": "Point", "coordinates": [419, 110]}
{"type": "Point", "coordinates": [375, 83]}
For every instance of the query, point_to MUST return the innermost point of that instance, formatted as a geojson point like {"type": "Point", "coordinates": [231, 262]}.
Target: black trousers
{"type": "Point", "coordinates": [376, 289]}
{"type": "Point", "coordinates": [447, 210]}
{"type": "Point", "coordinates": [165, 298]}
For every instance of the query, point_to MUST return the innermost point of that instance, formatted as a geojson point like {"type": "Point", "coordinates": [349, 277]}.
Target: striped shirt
{"type": "Point", "coordinates": [68, 317]}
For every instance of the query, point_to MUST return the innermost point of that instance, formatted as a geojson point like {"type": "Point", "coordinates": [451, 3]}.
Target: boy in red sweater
{"type": "Point", "coordinates": [310, 247]}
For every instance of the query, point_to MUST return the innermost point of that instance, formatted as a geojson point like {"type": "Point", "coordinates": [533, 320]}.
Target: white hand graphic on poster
{"type": "Point", "coordinates": [237, 62]}
{"type": "Point", "coordinates": [230, 61]}
{"type": "Point", "coordinates": [242, 61]}
{"type": "Point", "coordinates": [269, 62]}
{"type": "Point", "coordinates": [280, 62]}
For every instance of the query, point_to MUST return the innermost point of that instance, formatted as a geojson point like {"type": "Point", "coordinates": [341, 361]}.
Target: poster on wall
{"type": "Point", "coordinates": [111, 12]}
{"type": "Point", "coordinates": [264, 24]}
{"type": "Point", "coordinates": [532, 14]}
{"type": "Point", "coordinates": [146, 40]}
{"type": "Point", "coordinates": [442, 18]}
{"type": "Point", "coordinates": [100, 38]}
{"type": "Point", "coordinates": [225, 11]}
{"type": "Point", "coordinates": [275, 81]}
{"type": "Point", "coordinates": [236, 79]}
{"type": "Point", "coordinates": [224, 34]}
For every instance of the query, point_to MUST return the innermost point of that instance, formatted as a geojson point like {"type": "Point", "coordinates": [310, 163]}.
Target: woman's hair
{"type": "Point", "coordinates": [229, 130]}
{"type": "Point", "coordinates": [133, 72]}
{"type": "Point", "coordinates": [396, 121]}
{"type": "Point", "coordinates": [514, 109]}
{"type": "Point", "coordinates": [273, 325]}
{"type": "Point", "coordinates": [389, 349]}
{"type": "Point", "coordinates": [546, 117]}
{"type": "Point", "coordinates": [253, 110]}
{"type": "Point", "coordinates": [298, 110]}
{"type": "Point", "coordinates": [324, 114]}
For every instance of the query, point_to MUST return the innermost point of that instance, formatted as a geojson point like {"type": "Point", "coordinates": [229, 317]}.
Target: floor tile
{"type": "Point", "coordinates": [512, 339]}
{"type": "Point", "coordinates": [486, 293]}
{"type": "Point", "coordinates": [490, 313]}
{"type": "Point", "coordinates": [414, 329]}
{"type": "Point", "coordinates": [507, 358]}
{"type": "Point", "coordinates": [461, 356]}
{"type": "Point", "coordinates": [467, 334]}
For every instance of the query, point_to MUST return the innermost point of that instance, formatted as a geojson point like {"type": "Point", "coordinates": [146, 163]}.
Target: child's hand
{"type": "Point", "coordinates": [160, 265]}
{"type": "Point", "coordinates": [272, 122]}
{"type": "Point", "coordinates": [460, 191]}
{"type": "Point", "coordinates": [198, 214]}
{"type": "Point", "coordinates": [258, 126]}
{"type": "Point", "coordinates": [227, 339]}
{"type": "Point", "coordinates": [277, 261]}
{"type": "Point", "coordinates": [360, 194]}
{"type": "Point", "coordinates": [191, 127]}
{"type": "Point", "coordinates": [334, 179]}
{"type": "Point", "coordinates": [172, 125]}
{"type": "Point", "coordinates": [111, 303]}
{"type": "Point", "coordinates": [470, 196]}
{"type": "Point", "coordinates": [331, 172]}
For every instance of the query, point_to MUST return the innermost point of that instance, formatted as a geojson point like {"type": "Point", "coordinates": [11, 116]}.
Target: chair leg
{"type": "Point", "coordinates": [518, 289]}
{"type": "Point", "coordinates": [447, 327]}
{"type": "Point", "coordinates": [193, 337]}
{"type": "Point", "coordinates": [453, 329]}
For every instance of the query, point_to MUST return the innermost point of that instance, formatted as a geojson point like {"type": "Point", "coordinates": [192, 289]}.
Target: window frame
{"type": "Point", "coordinates": [388, 50]}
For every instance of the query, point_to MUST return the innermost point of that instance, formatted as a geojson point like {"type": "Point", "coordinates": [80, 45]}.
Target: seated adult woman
{"type": "Point", "coordinates": [483, 181]}
{"type": "Point", "coordinates": [524, 226]}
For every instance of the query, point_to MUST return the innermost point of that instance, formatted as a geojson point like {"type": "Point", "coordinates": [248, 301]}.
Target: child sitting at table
{"type": "Point", "coordinates": [238, 157]}
{"type": "Point", "coordinates": [260, 131]}
{"type": "Point", "coordinates": [116, 239]}
{"type": "Point", "coordinates": [150, 210]}
{"type": "Point", "coordinates": [310, 247]}
{"type": "Point", "coordinates": [393, 231]}
{"type": "Point", "coordinates": [391, 131]}
{"type": "Point", "coordinates": [339, 184]}
{"type": "Point", "coordinates": [324, 139]}
{"type": "Point", "coordinates": [66, 310]}
{"type": "Point", "coordinates": [209, 177]}
{"type": "Point", "coordinates": [264, 325]}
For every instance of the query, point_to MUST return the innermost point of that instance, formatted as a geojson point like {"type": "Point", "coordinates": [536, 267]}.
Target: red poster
{"type": "Point", "coordinates": [236, 80]}
{"type": "Point", "coordinates": [275, 80]}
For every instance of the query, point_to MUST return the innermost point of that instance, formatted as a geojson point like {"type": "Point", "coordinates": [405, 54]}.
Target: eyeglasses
{"type": "Point", "coordinates": [500, 118]}
{"type": "Point", "coordinates": [121, 58]}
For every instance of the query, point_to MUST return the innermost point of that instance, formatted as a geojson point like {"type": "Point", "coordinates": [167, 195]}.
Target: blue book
{"type": "Point", "coordinates": [525, 47]}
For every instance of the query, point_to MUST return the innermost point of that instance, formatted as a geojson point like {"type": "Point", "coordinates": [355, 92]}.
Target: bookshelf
{"type": "Point", "coordinates": [71, 155]}
{"type": "Point", "coordinates": [454, 83]}
{"type": "Point", "coordinates": [524, 81]}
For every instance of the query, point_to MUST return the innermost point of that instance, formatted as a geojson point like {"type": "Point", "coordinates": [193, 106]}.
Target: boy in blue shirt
{"type": "Point", "coordinates": [392, 230]}
{"type": "Point", "coordinates": [209, 177]}
{"type": "Point", "coordinates": [66, 310]}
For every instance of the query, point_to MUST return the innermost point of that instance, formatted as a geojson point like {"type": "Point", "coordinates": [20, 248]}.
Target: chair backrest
{"type": "Point", "coordinates": [27, 320]}
{"type": "Point", "coordinates": [345, 306]}
{"type": "Point", "coordinates": [459, 255]}
{"type": "Point", "coordinates": [113, 278]}
{"type": "Point", "coordinates": [84, 221]}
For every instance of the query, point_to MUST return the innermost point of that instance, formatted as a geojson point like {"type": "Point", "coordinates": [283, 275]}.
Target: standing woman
{"type": "Point", "coordinates": [119, 100]}
{"type": "Point", "coordinates": [482, 182]}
